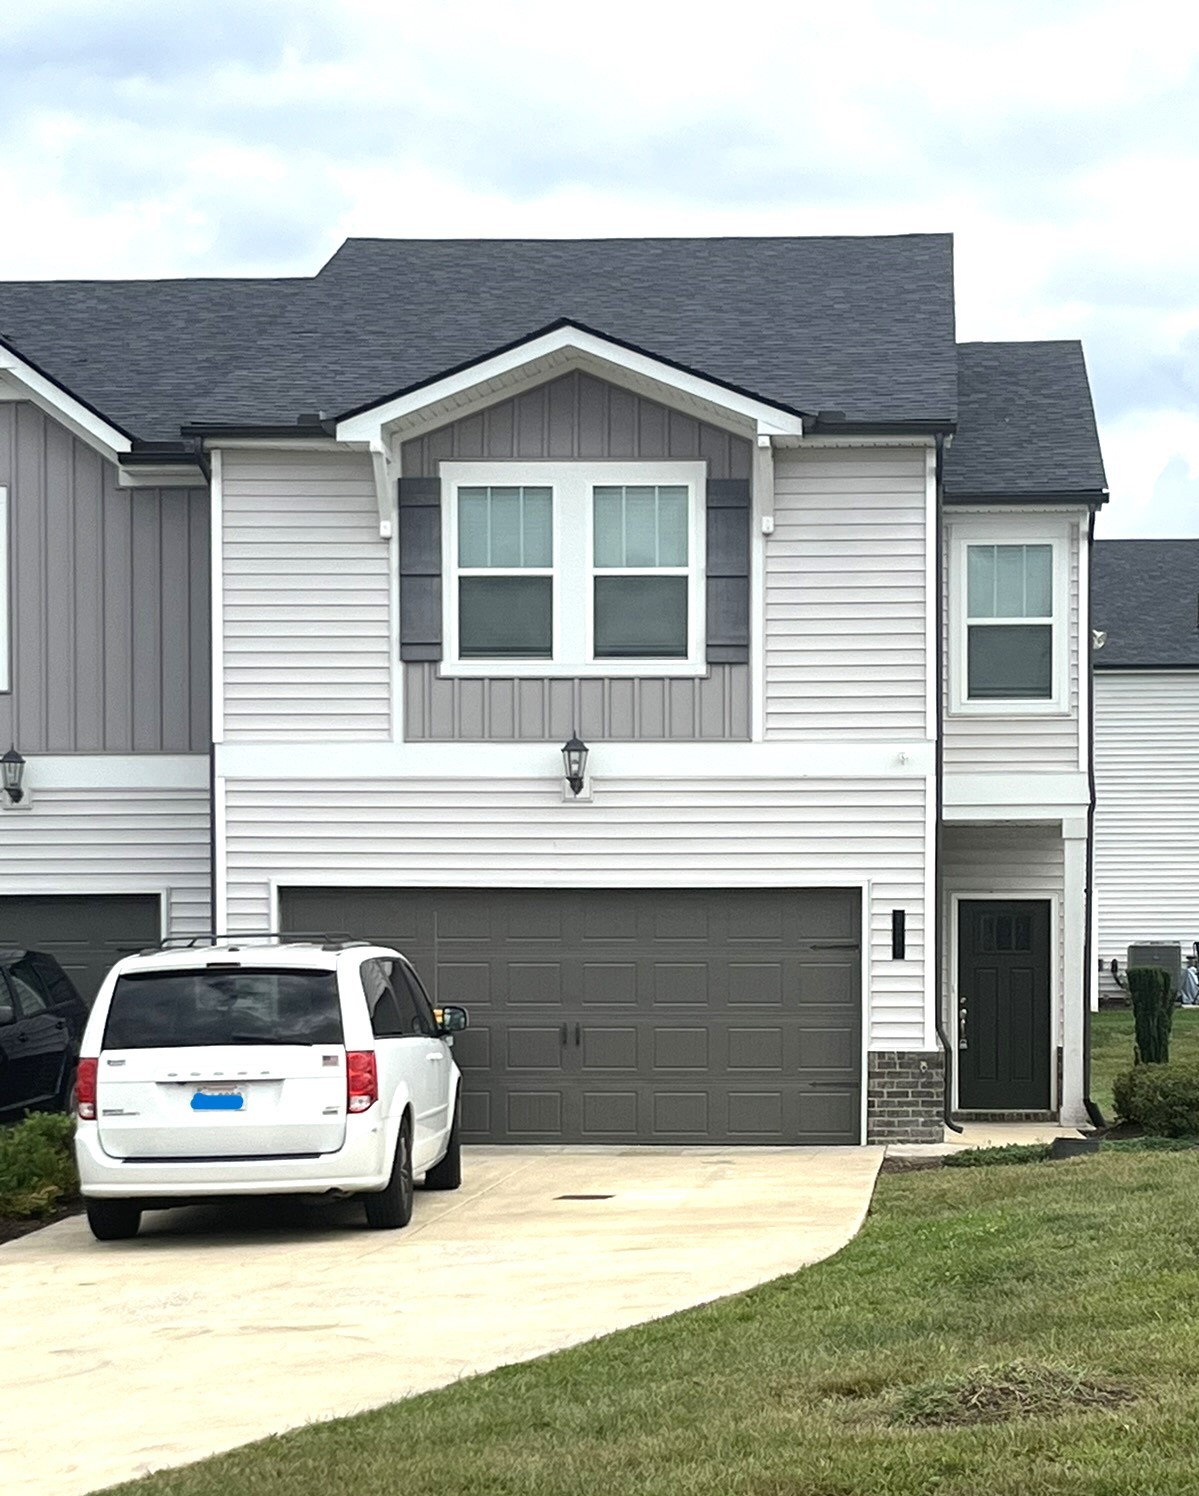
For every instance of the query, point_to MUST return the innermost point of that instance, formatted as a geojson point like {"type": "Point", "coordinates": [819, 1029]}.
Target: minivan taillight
{"type": "Point", "coordinates": [362, 1080]}
{"type": "Point", "coordinates": [85, 1090]}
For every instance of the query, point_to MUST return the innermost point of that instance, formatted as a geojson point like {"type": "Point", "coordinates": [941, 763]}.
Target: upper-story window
{"type": "Point", "coordinates": [1009, 603]}
{"type": "Point", "coordinates": [573, 568]}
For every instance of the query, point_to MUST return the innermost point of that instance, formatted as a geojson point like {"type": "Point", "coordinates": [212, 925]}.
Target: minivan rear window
{"type": "Point", "coordinates": [246, 1005]}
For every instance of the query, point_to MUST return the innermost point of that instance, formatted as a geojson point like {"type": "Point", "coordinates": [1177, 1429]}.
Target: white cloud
{"type": "Point", "coordinates": [1056, 138]}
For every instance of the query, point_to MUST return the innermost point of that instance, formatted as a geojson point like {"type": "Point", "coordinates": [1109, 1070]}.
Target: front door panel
{"type": "Point", "coordinates": [1003, 1006]}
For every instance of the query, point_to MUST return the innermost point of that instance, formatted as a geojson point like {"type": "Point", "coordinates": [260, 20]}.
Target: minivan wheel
{"type": "Point", "coordinates": [447, 1175]}
{"type": "Point", "coordinates": [113, 1220]}
{"type": "Point", "coordinates": [391, 1207]}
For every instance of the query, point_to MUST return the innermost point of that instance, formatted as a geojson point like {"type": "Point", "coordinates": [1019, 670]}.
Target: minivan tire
{"type": "Point", "coordinates": [114, 1220]}
{"type": "Point", "coordinates": [447, 1175]}
{"type": "Point", "coordinates": [391, 1207]}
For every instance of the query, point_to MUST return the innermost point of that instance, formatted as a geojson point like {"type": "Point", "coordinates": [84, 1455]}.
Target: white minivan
{"type": "Point", "coordinates": [265, 1067]}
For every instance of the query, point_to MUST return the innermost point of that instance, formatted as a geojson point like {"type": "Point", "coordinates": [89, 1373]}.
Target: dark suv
{"type": "Point", "coordinates": [42, 1019]}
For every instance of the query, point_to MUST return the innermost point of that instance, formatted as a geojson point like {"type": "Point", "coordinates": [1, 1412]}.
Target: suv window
{"type": "Point", "coordinates": [414, 1002]}
{"type": "Point", "coordinates": [8, 1008]}
{"type": "Point", "coordinates": [223, 1005]}
{"type": "Point", "coordinates": [31, 996]}
{"type": "Point", "coordinates": [57, 985]}
{"type": "Point", "coordinates": [387, 1021]}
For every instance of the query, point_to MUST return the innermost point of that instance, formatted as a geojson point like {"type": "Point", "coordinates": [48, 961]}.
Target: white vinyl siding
{"type": "Point", "coordinates": [306, 611]}
{"type": "Point", "coordinates": [1147, 816]}
{"type": "Point", "coordinates": [1003, 862]}
{"type": "Point", "coordinates": [1012, 741]}
{"type": "Point", "coordinates": [845, 595]}
{"type": "Point", "coordinates": [111, 840]}
{"type": "Point", "coordinates": [636, 833]}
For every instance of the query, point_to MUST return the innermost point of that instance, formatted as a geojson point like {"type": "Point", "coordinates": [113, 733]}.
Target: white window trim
{"type": "Point", "coordinates": [5, 618]}
{"type": "Point", "coordinates": [966, 535]}
{"type": "Point", "coordinates": [573, 565]}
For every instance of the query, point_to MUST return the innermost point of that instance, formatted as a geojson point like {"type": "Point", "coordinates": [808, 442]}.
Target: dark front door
{"type": "Point", "coordinates": [1003, 1006]}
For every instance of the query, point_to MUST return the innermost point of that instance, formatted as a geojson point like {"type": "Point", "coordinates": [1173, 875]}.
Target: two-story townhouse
{"type": "Point", "coordinates": [806, 578]}
{"type": "Point", "coordinates": [1146, 609]}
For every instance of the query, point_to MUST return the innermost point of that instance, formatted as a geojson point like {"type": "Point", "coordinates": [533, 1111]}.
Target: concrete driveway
{"type": "Point", "coordinates": [222, 1324]}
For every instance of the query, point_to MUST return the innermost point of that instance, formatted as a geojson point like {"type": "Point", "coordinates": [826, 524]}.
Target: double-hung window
{"type": "Point", "coordinates": [505, 571]}
{"type": "Point", "coordinates": [1011, 624]}
{"type": "Point", "coordinates": [561, 568]}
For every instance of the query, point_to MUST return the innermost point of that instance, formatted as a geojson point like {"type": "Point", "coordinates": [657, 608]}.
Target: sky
{"type": "Point", "coordinates": [1058, 142]}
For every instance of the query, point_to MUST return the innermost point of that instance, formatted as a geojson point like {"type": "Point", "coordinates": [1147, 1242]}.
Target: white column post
{"type": "Point", "coordinates": [1074, 907]}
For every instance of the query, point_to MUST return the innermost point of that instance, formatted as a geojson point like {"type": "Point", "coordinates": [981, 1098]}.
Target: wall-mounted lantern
{"type": "Point", "coordinates": [13, 766]}
{"type": "Point", "coordinates": [574, 763]}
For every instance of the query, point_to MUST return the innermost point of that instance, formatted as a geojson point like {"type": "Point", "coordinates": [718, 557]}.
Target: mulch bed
{"type": "Point", "coordinates": [11, 1227]}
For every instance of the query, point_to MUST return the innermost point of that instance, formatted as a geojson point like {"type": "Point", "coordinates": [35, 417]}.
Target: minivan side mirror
{"type": "Point", "coordinates": [450, 1019]}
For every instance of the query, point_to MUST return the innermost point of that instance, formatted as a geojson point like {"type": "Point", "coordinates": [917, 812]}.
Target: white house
{"type": "Point", "coordinates": [1146, 603]}
{"type": "Point", "coordinates": [807, 578]}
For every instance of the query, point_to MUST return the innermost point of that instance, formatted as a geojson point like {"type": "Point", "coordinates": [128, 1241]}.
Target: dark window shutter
{"type": "Point", "coordinates": [728, 571]}
{"type": "Point", "coordinates": [420, 568]}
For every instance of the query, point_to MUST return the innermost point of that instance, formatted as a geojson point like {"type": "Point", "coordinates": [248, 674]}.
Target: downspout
{"type": "Point", "coordinates": [1088, 958]}
{"type": "Point", "coordinates": [939, 780]}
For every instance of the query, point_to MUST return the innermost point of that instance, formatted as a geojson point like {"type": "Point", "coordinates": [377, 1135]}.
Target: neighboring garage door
{"type": "Point", "coordinates": [85, 933]}
{"type": "Point", "coordinates": [653, 1016]}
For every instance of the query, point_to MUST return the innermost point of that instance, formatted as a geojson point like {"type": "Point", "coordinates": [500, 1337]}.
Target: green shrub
{"type": "Point", "coordinates": [37, 1165]}
{"type": "Point", "coordinates": [1011, 1153]}
{"type": "Point", "coordinates": [1152, 995]}
{"type": "Point", "coordinates": [1163, 1099]}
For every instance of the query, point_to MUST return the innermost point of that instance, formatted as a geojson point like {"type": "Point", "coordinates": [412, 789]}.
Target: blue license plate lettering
{"type": "Point", "coordinates": [217, 1101]}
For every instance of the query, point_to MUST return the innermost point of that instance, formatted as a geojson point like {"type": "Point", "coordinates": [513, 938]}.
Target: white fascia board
{"type": "Point", "coordinates": [117, 771]}
{"type": "Point", "coordinates": [1012, 797]}
{"type": "Point", "coordinates": [167, 475]}
{"type": "Point", "coordinates": [766, 419]}
{"type": "Point", "coordinates": [65, 408]}
{"type": "Point", "coordinates": [668, 762]}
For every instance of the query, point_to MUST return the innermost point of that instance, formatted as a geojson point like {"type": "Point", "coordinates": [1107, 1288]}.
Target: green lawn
{"type": "Point", "coordinates": [1091, 1264]}
{"type": "Point", "coordinates": [1111, 1048]}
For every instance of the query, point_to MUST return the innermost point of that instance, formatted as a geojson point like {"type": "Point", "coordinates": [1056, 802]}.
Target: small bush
{"type": "Point", "coordinates": [37, 1166]}
{"type": "Point", "coordinates": [1011, 1153]}
{"type": "Point", "coordinates": [1152, 995]}
{"type": "Point", "coordinates": [1163, 1099]}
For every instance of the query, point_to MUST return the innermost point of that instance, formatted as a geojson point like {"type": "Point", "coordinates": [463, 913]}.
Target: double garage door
{"type": "Point", "coordinates": [639, 1016]}
{"type": "Point", "coordinates": [85, 933]}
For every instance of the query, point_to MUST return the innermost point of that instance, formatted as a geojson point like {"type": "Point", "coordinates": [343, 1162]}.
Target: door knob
{"type": "Point", "coordinates": [962, 1044]}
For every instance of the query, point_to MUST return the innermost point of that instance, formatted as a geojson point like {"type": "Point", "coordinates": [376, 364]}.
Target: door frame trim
{"type": "Point", "coordinates": [863, 887]}
{"type": "Point", "coordinates": [959, 897]}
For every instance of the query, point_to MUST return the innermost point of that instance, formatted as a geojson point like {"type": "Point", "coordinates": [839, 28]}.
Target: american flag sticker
{"type": "Point", "coordinates": [329, 1059]}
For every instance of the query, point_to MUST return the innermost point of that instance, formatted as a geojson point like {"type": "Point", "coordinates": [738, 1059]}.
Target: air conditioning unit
{"type": "Point", "coordinates": [1165, 956]}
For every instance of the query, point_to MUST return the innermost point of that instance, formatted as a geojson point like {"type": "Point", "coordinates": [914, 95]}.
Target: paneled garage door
{"type": "Point", "coordinates": [86, 933]}
{"type": "Point", "coordinates": [650, 1016]}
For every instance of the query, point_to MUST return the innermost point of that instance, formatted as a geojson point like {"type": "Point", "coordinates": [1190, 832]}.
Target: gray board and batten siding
{"type": "Point", "coordinates": [577, 417]}
{"type": "Point", "coordinates": [108, 601]}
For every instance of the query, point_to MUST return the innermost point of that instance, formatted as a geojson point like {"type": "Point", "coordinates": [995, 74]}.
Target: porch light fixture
{"type": "Point", "coordinates": [14, 772]}
{"type": "Point", "coordinates": [574, 761]}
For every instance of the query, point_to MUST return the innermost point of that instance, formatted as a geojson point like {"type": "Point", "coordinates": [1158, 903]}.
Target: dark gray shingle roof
{"type": "Point", "coordinates": [1026, 425]}
{"type": "Point", "coordinates": [1145, 595]}
{"type": "Point", "coordinates": [865, 325]}
{"type": "Point", "coordinates": [143, 353]}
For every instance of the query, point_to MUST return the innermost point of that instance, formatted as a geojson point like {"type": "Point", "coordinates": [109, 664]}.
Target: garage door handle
{"type": "Point", "coordinates": [563, 1035]}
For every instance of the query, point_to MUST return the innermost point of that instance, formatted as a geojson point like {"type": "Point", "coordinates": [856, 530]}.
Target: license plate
{"type": "Point", "coordinates": [218, 1101]}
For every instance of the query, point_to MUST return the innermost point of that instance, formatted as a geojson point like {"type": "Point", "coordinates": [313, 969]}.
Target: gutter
{"type": "Point", "coordinates": [1088, 956]}
{"type": "Point", "coordinates": [939, 838]}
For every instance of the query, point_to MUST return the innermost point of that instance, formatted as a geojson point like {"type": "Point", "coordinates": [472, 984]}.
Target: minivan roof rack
{"type": "Point", "coordinates": [328, 940]}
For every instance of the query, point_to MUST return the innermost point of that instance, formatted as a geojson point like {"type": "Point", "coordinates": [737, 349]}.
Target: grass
{"type": "Point", "coordinates": [1111, 1048]}
{"type": "Point", "coordinates": [1062, 1299]}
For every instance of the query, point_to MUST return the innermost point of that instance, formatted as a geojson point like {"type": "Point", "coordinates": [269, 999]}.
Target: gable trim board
{"type": "Point", "coordinates": [570, 343]}
{"type": "Point", "coordinates": [27, 381]}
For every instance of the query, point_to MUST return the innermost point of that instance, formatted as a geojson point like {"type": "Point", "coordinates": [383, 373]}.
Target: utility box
{"type": "Point", "coordinates": [1164, 956]}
